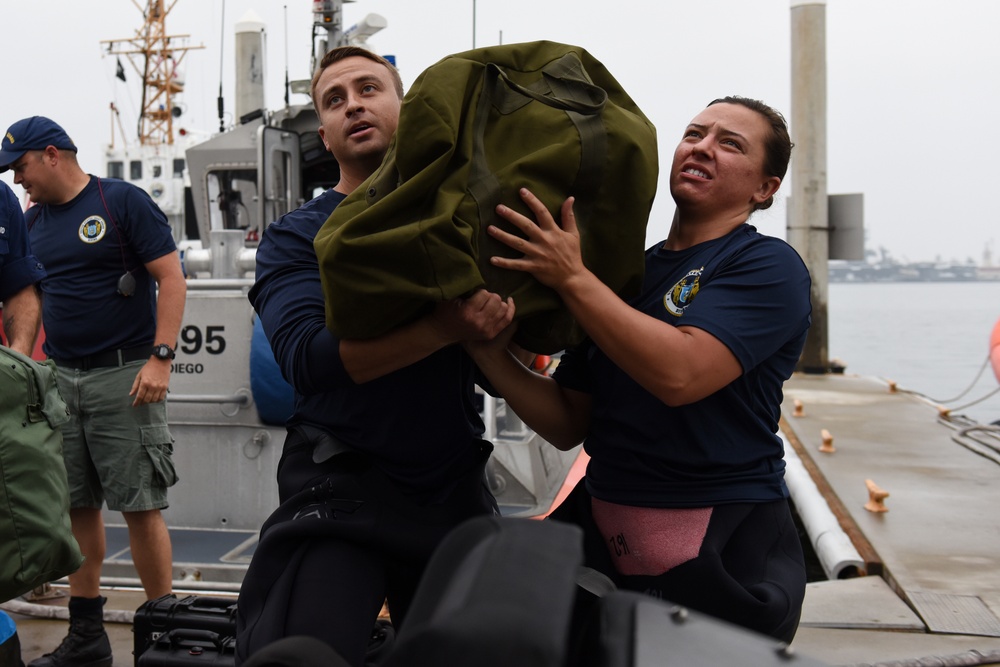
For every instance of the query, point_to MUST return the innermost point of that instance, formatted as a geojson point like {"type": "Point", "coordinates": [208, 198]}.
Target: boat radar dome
{"type": "Point", "coordinates": [359, 33]}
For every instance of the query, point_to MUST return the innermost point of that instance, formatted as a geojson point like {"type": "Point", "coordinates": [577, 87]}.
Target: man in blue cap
{"type": "Point", "coordinates": [106, 248]}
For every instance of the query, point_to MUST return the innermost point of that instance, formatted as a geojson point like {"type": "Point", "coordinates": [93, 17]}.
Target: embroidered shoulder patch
{"type": "Point", "coordinates": [682, 293]}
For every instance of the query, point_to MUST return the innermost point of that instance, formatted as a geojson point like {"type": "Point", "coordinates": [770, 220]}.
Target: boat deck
{"type": "Point", "coordinates": [933, 559]}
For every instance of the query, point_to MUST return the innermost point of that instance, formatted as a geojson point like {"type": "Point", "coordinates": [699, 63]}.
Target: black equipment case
{"type": "Point", "coordinates": [168, 631]}
{"type": "Point", "coordinates": [181, 647]}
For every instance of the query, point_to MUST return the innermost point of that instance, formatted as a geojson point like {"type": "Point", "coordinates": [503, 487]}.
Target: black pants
{"type": "Point", "coordinates": [10, 652]}
{"type": "Point", "coordinates": [299, 651]}
{"type": "Point", "coordinates": [333, 552]}
{"type": "Point", "coordinates": [749, 571]}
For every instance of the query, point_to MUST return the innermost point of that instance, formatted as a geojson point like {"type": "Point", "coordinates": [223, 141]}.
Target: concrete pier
{"type": "Point", "coordinates": [933, 557]}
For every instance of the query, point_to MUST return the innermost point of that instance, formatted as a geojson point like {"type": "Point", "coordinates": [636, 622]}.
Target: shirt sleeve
{"type": "Point", "coordinates": [145, 225]}
{"type": "Point", "coordinates": [18, 267]}
{"type": "Point", "coordinates": [755, 302]}
{"type": "Point", "coordinates": [573, 371]}
{"type": "Point", "coordinates": [288, 298]}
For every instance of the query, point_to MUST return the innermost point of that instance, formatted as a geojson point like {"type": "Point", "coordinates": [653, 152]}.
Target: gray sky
{"type": "Point", "coordinates": [912, 84]}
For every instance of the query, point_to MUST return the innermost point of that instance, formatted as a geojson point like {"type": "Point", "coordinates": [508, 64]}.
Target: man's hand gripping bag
{"type": "Point", "coordinates": [473, 129]}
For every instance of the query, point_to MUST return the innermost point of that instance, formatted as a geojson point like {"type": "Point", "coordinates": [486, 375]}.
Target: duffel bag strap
{"type": "Point", "coordinates": [571, 92]}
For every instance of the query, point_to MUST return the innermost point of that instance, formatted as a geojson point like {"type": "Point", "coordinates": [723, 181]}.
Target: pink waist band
{"type": "Point", "coordinates": [650, 540]}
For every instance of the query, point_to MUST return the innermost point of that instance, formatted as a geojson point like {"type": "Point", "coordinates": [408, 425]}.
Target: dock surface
{"type": "Point", "coordinates": [933, 557]}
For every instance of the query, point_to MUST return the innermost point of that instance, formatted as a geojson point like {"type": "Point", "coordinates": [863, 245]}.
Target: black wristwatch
{"type": "Point", "coordinates": [163, 351]}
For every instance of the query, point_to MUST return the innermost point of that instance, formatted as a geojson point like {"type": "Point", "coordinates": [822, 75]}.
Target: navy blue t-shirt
{"type": "Point", "coordinates": [86, 245]}
{"type": "Point", "coordinates": [752, 293]}
{"type": "Point", "coordinates": [18, 267]}
{"type": "Point", "coordinates": [419, 422]}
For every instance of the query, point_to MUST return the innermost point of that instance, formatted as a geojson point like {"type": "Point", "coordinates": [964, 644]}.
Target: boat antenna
{"type": "Point", "coordinates": [473, 23]}
{"type": "Point", "coordinates": [287, 85]}
{"type": "Point", "coordinates": [145, 77]}
{"type": "Point", "coordinates": [160, 55]}
{"type": "Point", "coordinates": [222, 39]}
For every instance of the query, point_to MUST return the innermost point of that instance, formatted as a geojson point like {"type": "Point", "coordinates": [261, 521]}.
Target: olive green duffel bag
{"type": "Point", "coordinates": [473, 129]}
{"type": "Point", "coordinates": [36, 542]}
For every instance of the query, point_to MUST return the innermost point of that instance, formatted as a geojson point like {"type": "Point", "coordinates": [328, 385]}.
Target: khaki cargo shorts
{"type": "Point", "coordinates": [114, 452]}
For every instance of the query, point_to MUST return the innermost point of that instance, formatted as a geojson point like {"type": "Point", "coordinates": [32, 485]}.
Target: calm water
{"type": "Point", "coordinates": [931, 338]}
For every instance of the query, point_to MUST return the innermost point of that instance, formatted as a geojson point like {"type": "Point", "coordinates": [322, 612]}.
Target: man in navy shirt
{"type": "Point", "coordinates": [106, 247]}
{"type": "Point", "coordinates": [384, 453]}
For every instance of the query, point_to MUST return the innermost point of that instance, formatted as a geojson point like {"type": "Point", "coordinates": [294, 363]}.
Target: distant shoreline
{"type": "Point", "coordinates": [865, 272]}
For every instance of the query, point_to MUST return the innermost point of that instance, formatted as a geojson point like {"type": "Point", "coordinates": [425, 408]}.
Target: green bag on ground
{"type": "Point", "coordinates": [36, 542]}
{"type": "Point", "coordinates": [473, 129]}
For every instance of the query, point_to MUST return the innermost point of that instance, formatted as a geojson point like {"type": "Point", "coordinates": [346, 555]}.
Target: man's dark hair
{"type": "Point", "coordinates": [340, 53]}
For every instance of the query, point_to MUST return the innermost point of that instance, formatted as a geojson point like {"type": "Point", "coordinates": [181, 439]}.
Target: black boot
{"type": "Point", "coordinates": [86, 644]}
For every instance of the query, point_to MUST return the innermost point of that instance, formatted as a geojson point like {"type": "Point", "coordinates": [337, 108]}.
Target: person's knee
{"type": "Point", "coordinates": [84, 513]}
{"type": "Point", "coordinates": [86, 521]}
{"type": "Point", "coordinates": [143, 516]}
{"type": "Point", "coordinates": [146, 520]}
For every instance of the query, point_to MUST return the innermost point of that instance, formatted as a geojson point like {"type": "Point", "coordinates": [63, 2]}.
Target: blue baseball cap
{"type": "Point", "coordinates": [32, 134]}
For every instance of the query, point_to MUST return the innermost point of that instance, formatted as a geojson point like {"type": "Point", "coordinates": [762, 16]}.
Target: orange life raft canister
{"type": "Point", "coordinates": [995, 350]}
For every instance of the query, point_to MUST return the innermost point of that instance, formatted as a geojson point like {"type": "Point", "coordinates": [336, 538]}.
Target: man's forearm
{"type": "Point", "coordinates": [366, 360]}
{"type": "Point", "coordinates": [170, 309]}
{"type": "Point", "coordinates": [22, 318]}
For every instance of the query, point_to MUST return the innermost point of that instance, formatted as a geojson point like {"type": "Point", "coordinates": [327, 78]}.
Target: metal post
{"type": "Point", "coordinates": [250, 36]}
{"type": "Point", "coordinates": [808, 225]}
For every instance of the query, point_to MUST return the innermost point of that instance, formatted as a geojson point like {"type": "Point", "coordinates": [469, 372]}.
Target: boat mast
{"type": "Point", "coordinates": [328, 28]}
{"type": "Point", "coordinates": [155, 56]}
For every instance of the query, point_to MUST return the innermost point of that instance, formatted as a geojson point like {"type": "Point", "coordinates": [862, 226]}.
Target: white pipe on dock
{"type": "Point", "coordinates": [34, 610]}
{"type": "Point", "coordinates": [836, 553]}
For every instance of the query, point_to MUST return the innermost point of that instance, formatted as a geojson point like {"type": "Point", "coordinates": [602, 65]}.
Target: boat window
{"type": "Point", "coordinates": [157, 171]}
{"type": "Point", "coordinates": [135, 170]}
{"type": "Point", "coordinates": [178, 167]}
{"type": "Point", "coordinates": [233, 194]}
{"type": "Point", "coordinates": [116, 169]}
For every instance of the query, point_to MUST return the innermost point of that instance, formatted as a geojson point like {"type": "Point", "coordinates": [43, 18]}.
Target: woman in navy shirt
{"type": "Point", "coordinates": [676, 394]}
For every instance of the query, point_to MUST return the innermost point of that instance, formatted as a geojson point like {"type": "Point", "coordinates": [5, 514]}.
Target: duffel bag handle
{"type": "Point", "coordinates": [573, 94]}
